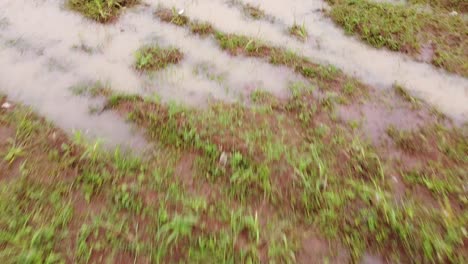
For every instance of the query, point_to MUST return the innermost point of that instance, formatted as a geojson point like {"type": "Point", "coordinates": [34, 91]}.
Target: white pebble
{"type": "Point", "coordinates": [6, 105]}
{"type": "Point", "coordinates": [223, 159]}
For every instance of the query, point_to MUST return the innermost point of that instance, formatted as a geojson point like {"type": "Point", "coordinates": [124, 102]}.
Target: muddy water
{"type": "Point", "coordinates": [329, 44]}
{"type": "Point", "coordinates": [46, 49]}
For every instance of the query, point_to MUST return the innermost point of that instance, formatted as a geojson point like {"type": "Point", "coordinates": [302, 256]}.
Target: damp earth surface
{"type": "Point", "coordinates": [233, 131]}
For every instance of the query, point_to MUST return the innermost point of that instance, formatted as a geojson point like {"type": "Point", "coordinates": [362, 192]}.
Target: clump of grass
{"type": "Point", "coordinates": [115, 99]}
{"type": "Point", "coordinates": [432, 180]}
{"type": "Point", "coordinates": [171, 16]}
{"type": "Point", "coordinates": [156, 58]}
{"type": "Point", "coordinates": [201, 28]}
{"type": "Point", "coordinates": [381, 25]}
{"type": "Point", "coordinates": [93, 89]}
{"type": "Point", "coordinates": [253, 11]}
{"type": "Point", "coordinates": [299, 32]}
{"type": "Point", "coordinates": [126, 197]}
{"type": "Point", "coordinates": [409, 141]}
{"type": "Point", "coordinates": [327, 77]}
{"type": "Point", "coordinates": [449, 5]}
{"type": "Point", "coordinates": [261, 97]}
{"type": "Point", "coordinates": [237, 44]}
{"type": "Point", "coordinates": [405, 95]}
{"type": "Point", "coordinates": [406, 28]}
{"type": "Point", "coordinates": [13, 153]}
{"type": "Point", "coordinates": [101, 10]}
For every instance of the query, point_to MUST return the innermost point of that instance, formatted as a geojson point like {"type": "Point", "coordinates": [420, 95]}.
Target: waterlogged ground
{"type": "Point", "coordinates": [216, 131]}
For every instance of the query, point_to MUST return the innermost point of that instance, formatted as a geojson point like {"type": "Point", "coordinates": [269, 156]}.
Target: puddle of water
{"type": "Point", "coordinates": [315, 250]}
{"type": "Point", "coordinates": [376, 116]}
{"type": "Point", "coordinates": [48, 94]}
{"type": "Point", "coordinates": [427, 52]}
{"type": "Point", "coordinates": [376, 67]}
{"type": "Point", "coordinates": [46, 49]}
{"type": "Point", "coordinates": [328, 44]}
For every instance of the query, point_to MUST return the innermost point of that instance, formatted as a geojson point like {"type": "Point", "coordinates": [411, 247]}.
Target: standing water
{"type": "Point", "coordinates": [45, 49]}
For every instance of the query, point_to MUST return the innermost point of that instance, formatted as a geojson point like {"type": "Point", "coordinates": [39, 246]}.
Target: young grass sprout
{"type": "Point", "coordinates": [299, 31]}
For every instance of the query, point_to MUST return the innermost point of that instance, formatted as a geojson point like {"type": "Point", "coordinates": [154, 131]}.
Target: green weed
{"type": "Point", "coordinates": [156, 58]}
{"type": "Point", "coordinates": [201, 28]}
{"type": "Point", "coordinates": [126, 197]}
{"type": "Point", "coordinates": [299, 31]}
{"type": "Point", "coordinates": [177, 228]}
{"type": "Point", "coordinates": [101, 10]}
{"type": "Point", "coordinates": [13, 153]}
{"type": "Point", "coordinates": [171, 16]}
{"type": "Point", "coordinates": [253, 11]}
{"type": "Point", "coordinates": [405, 28]}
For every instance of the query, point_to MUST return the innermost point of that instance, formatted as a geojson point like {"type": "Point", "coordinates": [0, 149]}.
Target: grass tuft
{"type": "Point", "coordinates": [153, 58]}
{"type": "Point", "coordinates": [253, 12]}
{"type": "Point", "coordinates": [171, 16]}
{"type": "Point", "coordinates": [299, 32]}
{"type": "Point", "coordinates": [201, 28]}
{"type": "Point", "coordinates": [101, 10]}
{"type": "Point", "coordinates": [406, 28]}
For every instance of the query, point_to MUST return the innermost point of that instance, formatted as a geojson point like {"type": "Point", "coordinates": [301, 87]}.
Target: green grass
{"type": "Point", "coordinates": [330, 160]}
{"type": "Point", "coordinates": [13, 153]}
{"type": "Point", "coordinates": [449, 5]}
{"type": "Point", "coordinates": [299, 32]}
{"type": "Point", "coordinates": [237, 44]}
{"type": "Point", "coordinates": [101, 10]}
{"type": "Point", "coordinates": [253, 11]}
{"type": "Point", "coordinates": [407, 29]}
{"type": "Point", "coordinates": [154, 58]}
{"type": "Point", "coordinates": [287, 171]}
{"type": "Point", "coordinates": [93, 90]}
{"type": "Point", "coordinates": [406, 96]}
{"type": "Point", "coordinates": [171, 16]}
{"type": "Point", "coordinates": [201, 28]}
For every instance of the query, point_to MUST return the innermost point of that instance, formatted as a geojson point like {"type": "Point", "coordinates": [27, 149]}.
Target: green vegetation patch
{"type": "Point", "coordinates": [171, 16]}
{"type": "Point", "coordinates": [324, 174]}
{"type": "Point", "coordinates": [299, 32]}
{"type": "Point", "coordinates": [101, 10]}
{"type": "Point", "coordinates": [201, 28]}
{"type": "Point", "coordinates": [326, 77]}
{"type": "Point", "coordinates": [238, 44]}
{"type": "Point", "coordinates": [230, 183]}
{"type": "Point", "coordinates": [449, 5]}
{"type": "Point", "coordinates": [253, 11]}
{"type": "Point", "coordinates": [153, 58]}
{"type": "Point", "coordinates": [408, 29]}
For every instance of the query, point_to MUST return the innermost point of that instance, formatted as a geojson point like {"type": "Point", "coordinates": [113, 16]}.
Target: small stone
{"type": "Point", "coordinates": [377, 197]}
{"type": "Point", "coordinates": [6, 105]}
{"type": "Point", "coordinates": [446, 214]}
{"type": "Point", "coordinates": [453, 13]}
{"type": "Point", "coordinates": [181, 12]}
{"type": "Point", "coordinates": [223, 159]}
